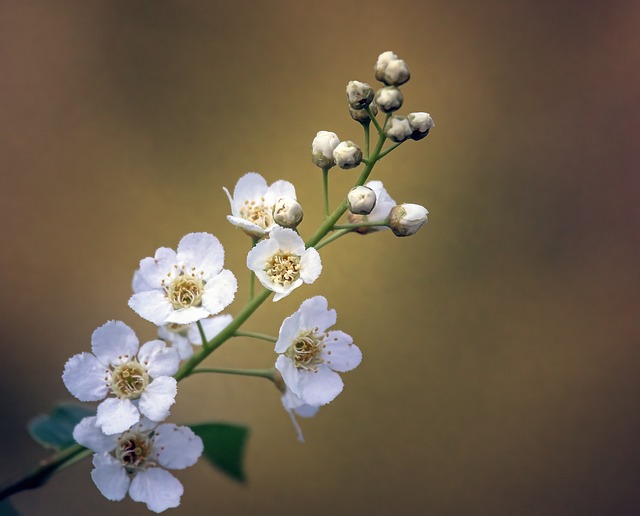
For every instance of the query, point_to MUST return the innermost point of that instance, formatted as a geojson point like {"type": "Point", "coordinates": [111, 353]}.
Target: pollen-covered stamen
{"type": "Point", "coordinates": [306, 350]}
{"type": "Point", "coordinates": [283, 268]}
{"type": "Point", "coordinates": [185, 290]}
{"type": "Point", "coordinates": [129, 380]}
{"type": "Point", "coordinates": [258, 213]}
{"type": "Point", "coordinates": [133, 451]}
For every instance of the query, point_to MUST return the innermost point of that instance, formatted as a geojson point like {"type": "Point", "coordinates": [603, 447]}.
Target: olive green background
{"type": "Point", "coordinates": [500, 371]}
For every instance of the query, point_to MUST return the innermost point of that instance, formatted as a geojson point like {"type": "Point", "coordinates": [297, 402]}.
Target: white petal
{"type": "Point", "coordinates": [158, 397]}
{"type": "Point", "coordinates": [112, 341]}
{"type": "Point", "coordinates": [211, 326]}
{"type": "Point", "coordinates": [156, 487]}
{"type": "Point", "coordinates": [285, 291]}
{"type": "Point", "coordinates": [288, 240]}
{"type": "Point", "coordinates": [260, 253]}
{"type": "Point", "coordinates": [310, 265]}
{"type": "Point", "coordinates": [90, 436]}
{"type": "Point", "coordinates": [290, 374]}
{"type": "Point", "coordinates": [139, 283]}
{"type": "Point", "coordinates": [219, 292]}
{"type": "Point", "coordinates": [279, 189]}
{"type": "Point", "coordinates": [252, 186]}
{"type": "Point", "coordinates": [116, 416]}
{"type": "Point", "coordinates": [188, 315]}
{"type": "Point", "coordinates": [319, 387]}
{"type": "Point", "coordinates": [232, 205]}
{"type": "Point", "coordinates": [315, 313]}
{"type": "Point", "coordinates": [176, 447]}
{"type": "Point", "coordinates": [109, 477]}
{"type": "Point", "coordinates": [202, 252]}
{"type": "Point", "coordinates": [248, 227]}
{"type": "Point", "coordinates": [84, 376]}
{"type": "Point", "coordinates": [159, 359]}
{"type": "Point", "coordinates": [184, 348]}
{"type": "Point", "coordinates": [155, 269]}
{"type": "Point", "coordinates": [341, 354]}
{"type": "Point", "coordinates": [152, 305]}
{"type": "Point", "coordinates": [289, 331]}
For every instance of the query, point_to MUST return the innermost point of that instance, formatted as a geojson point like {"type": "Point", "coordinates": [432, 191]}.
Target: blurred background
{"type": "Point", "coordinates": [501, 343]}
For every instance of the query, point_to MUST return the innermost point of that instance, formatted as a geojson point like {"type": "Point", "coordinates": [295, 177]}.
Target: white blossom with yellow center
{"type": "Point", "coordinates": [253, 201]}
{"type": "Point", "coordinates": [132, 380]}
{"type": "Point", "coordinates": [183, 286]}
{"type": "Point", "coordinates": [311, 356]}
{"type": "Point", "coordinates": [282, 263]}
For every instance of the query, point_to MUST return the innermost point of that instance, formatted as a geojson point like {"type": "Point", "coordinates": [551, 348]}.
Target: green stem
{"type": "Point", "coordinates": [255, 335]}
{"type": "Point", "coordinates": [201, 331]}
{"type": "Point", "coordinates": [387, 151]}
{"type": "Point", "coordinates": [260, 373]}
{"type": "Point", "coordinates": [375, 122]}
{"type": "Point", "coordinates": [325, 184]}
{"type": "Point", "coordinates": [367, 135]}
{"type": "Point", "coordinates": [361, 225]}
{"type": "Point", "coordinates": [332, 237]}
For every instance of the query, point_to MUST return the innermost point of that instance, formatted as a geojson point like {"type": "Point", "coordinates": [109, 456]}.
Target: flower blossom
{"type": "Point", "coordinates": [183, 336]}
{"type": "Point", "coordinates": [133, 380]}
{"type": "Point", "coordinates": [136, 461]}
{"type": "Point", "coordinates": [311, 357]}
{"type": "Point", "coordinates": [184, 286]}
{"type": "Point", "coordinates": [380, 212]}
{"type": "Point", "coordinates": [282, 263]}
{"type": "Point", "coordinates": [253, 201]}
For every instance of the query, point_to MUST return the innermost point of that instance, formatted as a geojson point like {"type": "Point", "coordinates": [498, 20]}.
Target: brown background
{"type": "Point", "coordinates": [500, 371]}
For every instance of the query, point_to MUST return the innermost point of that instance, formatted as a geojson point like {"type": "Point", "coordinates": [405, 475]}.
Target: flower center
{"type": "Point", "coordinates": [129, 380]}
{"type": "Point", "coordinates": [283, 268]}
{"type": "Point", "coordinates": [306, 350]}
{"type": "Point", "coordinates": [133, 450]}
{"type": "Point", "coordinates": [185, 291]}
{"type": "Point", "coordinates": [259, 214]}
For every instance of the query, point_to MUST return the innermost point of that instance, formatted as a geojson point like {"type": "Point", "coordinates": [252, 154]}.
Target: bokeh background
{"type": "Point", "coordinates": [501, 343]}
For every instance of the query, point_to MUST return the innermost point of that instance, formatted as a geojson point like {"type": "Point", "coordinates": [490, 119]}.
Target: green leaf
{"type": "Point", "coordinates": [55, 430]}
{"type": "Point", "coordinates": [224, 446]}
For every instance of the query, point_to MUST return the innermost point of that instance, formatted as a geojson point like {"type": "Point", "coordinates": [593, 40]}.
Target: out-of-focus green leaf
{"type": "Point", "coordinates": [55, 430]}
{"type": "Point", "coordinates": [224, 446]}
{"type": "Point", "coordinates": [6, 509]}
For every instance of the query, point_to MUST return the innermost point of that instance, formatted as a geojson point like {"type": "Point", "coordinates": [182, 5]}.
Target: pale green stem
{"type": "Point", "coordinates": [255, 335]}
{"type": "Point", "coordinates": [367, 135]}
{"type": "Point", "coordinates": [201, 331]}
{"type": "Point", "coordinates": [332, 237]}
{"type": "Point", "coordinates": [375, 122]}
{"type": "Point", "coordinates": [260, 373]}
{"type": "Point", "coordinates": [325, 184]}
{"type": "Point", "coordinates": [361, 225]}
{"type": "Point", "coordinates": [387, 151]}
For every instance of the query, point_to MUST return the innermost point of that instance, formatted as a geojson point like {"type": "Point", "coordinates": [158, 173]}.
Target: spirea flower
{"type": "Point", "coordinates": [136, 461]}
{"type": "Point", "coordinates": [389, 99]}
{"type": "Point", "coordinates": [287, 212]}
{"type": "Point", "coordinates": [391, 70]}
{"type": "Point", "coordinates": [311, 356]}
{"type": "Point", "coordinates": [362, 200]}
{"type": "Point", "coordinates": [282, 263]}
{"type": "Point", "coordinates": [407, 219]}
{"type": "Point", "coordinates": [359, 94]}
{"type": "Point", "coordinates": [183, 336]}
{"type": "Point", "coordinates": [184, 286]}
{"type": "Point", "coordinates": [133, 380]}
{"type": "Point", "coordinates": [380, 212]}
{"type": "Point", "coordinates": [322, 149]}
{"type": "Point", "coordinates": [347, 155]}
{"type": "Point", "coordinates": [398, 128]}
{"type": "Point", "coordinates": [296, 407]}
{"type": "Point", "coordinates": [253, 202]}
{"type": "Point", "coordinates": [421, 123]}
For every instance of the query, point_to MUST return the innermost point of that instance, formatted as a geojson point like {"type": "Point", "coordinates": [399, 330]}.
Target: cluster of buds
{"type": "Point", "coordinates": [327, 151]}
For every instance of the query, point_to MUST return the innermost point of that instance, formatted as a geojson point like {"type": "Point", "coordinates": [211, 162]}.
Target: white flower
{"type": "Point", "coordinates": [183, 336]}
{"type": "Point", "coordinates": [407, 219]}
{"type": "Point", "coordinates": [389, 99]}
{"type": "Point", "coordinates": [253, 201]}
{"type": "Point", "coordinates": [287, 212]}
{"type": "Point", "coordinates": [282, 263]}
{"type": "Point", "coordinates": [362, 200]}
{"type": "Point", "coordinates": [359, 94]}
{"type": "Point", "coordinates": [132, 380]}
{"type": "Point", "coordinates": [295, 406]}
{"type": "Point", "coordinates": [311, 357]}
{"type": "Point", "coordinates": [184, 286]}
{"type": "Point", "coordinates": [322, 148]}
{"type": "Point", "coordinates": [382, 62]}
{"type": "Point", "coordinates": [134, 461]}
{"type": "Point", "coordinates": [380, 212]}
{"type": "Point", "coordinates": [347, 155]}
{"type": "Point", "coordinates": [421, 123]}
{"type": "Point", "coordinates": [398, 128]}
{"type": "Point", "coordinates": [391, 70]}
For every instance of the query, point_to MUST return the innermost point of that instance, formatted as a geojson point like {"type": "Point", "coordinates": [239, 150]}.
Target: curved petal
{"type": "Point", "coordinates": [211, 326]}
{"type": "Point", "coordinates": [310, 265]}
{"type": "Point", "coordinates": [279, 189]}
{"type": "Point", "coordinates": [159, 359]}
{"type": "Point", "coordinates": [158, 397]}
{"type": "Point", "coordinates": [156, 487]}
{"type": "Point", "coordinates": [248, 227]}
{"type": "Point", "coordinates": [219, 291]}
{"type": "Point", "coordinates": [341, 354]}
{"type": "Point", "coordinates": [260, 253]}
{"type": "Point", "coordinates": [319, 387]}
{"type": "Point", "coordinates": [315, 313]}
{"type": "Point", "coordinates": [232, 205]}
{"type": "Point", "coordinates": [109, 477]}
{"type": "Point", "coordinates": [285, 291]}
{"type": "Point", "coordinates": [202, 253]}
{"type": "Point", "coordinates": [90, 436]}
{"type": "Point", "coordinates": [188, 315]}
{"type": "Point", "coordinates": [112, 341]}
{"type": "Point", "coordinates": [176, 447]}
{"type": "Point", "coordinates": [86, 377]}
{"type": "Point", "coordinates": [287, 240]}
{"type": "Point", "coordinates": [290, 374]}
{"type": "Point", "coordinates": [152, 305]}
{"type": "Point", "coordinates": [249, 187]}
{"type": "Point", "coordinates": [115, 416]}
{"type": "Point", "coordinates": [288, 332]}
{"type": "Point", "coordinates": [154, 270]}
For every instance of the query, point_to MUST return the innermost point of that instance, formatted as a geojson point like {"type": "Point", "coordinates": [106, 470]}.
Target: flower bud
{"type": "Point", "coordinates": [347, 155]}
{"type": "Point", "coordinates": [389, 99]}
{"type": "Point", "coordinates": [362, 200]}
{"type": "Point", "coordinates": [322, 148]}
{"type": "Point", "coordinates": [396, 73]}
{"type": "Point", "coordinates": [359, 94]}
{"type": "Point", "coordinates": [398, 128]}
{"type": "Point", "coordinates": [287, 212]}
{"type": "Point", "coordinates": [407, 219]}
{"type": "Point", "coordinates": [421, 123]}
{"type": "Point", "coordinates": [361, 115]}
{"type": "Point", "coordinates": [382, 63]}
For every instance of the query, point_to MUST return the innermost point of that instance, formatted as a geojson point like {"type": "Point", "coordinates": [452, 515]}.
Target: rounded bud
{"type": "Point", "coordinates": [359, 94]}
{"type": "Point", "coordinates": [362, 115]}
{"type": "Point", "coordinates": [287, 212]}
{"type": "Point", "coordinates": [398, 128]}
{"type": "Point", "coordinates": [362, 200]}
{"type": "Point", "coordinates": [389, 99]}
{"type": "Point", "coordinates": [347, 155]}
{"type": "Point", "coordinates": [407, 219]}
{"type": "Point", "coordinates": [382, 63]}
{"type": "Point", "coordinates": [396, 73]}
{"type": "Point", "coordinates": [322, 149]}
{"type": "Point", "coordinates": [421, 123]}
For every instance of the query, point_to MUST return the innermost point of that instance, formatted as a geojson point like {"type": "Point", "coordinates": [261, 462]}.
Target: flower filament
{"type": "Point", "coordinates": [306, 350]}
{"type": "Point", "coordinates": [185, 290]}
{"type": "Point", "coordinates": [283, 268]}
{"type": "Point", "coordinates": [129, 380]}
{"type": "Point", "coordinates": [133, 450]}
{"type": "Point", "coordinates": [259, 214]}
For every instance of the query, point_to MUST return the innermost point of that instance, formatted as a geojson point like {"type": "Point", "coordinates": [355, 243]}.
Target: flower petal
{"type": "Point", "coordinates": [310, 265]}
{"type": "Point", "coordinates": [202, 253]}
{"type": "Point", "coordinates": [341, 354]}
{"type": "Point", "coordinates": [290, 374]}
{"type": "Point", "coordinates": [315, 313]}
{"type": "Point", "coordinates": [84, 376]}
{"type": "Point", "coordinates": [279, 189]}
{"type": "Point", "coordinates": [289, 331]}
{"type": "Point", "coordinates": [211, 326]}
{"type": "Point", "coordinates": [112, 341]}
{"type": "Point", "coordinates": [285, 291]}
{"type": "Point", "coordinates": [159, 359]}
{"type": "Point", "coordinates": [219, 292]}
{"type": "Point", "coordinates": [158, 397]}
{"type": "Point", "coordinates": [89, 435]}
{"type": "Point", "coordinates": [109, 477]}
{"type": "Point", "coordinates": [152, 305]}
{"type": "Point", "coordinates": [251, 186]}
{"type": "Point", "coordinates": [287, 240]}
{"type": "Point", "coordinates": [116, 416]}
{"type": "Point", "coordinates": [319, 387]}
{"type": "Point", "coordinates": [176, 447]}
{"type": "Point", "coordinates": [188, 315]}
{"type": "Point", "coordinates": [248, 227]}
{"type": "Point", "coordinates": [156, 487]}
{"type": "Point", "coordinates": [154, 270]}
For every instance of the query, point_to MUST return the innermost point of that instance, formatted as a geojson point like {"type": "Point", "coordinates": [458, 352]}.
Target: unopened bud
{"type": "Point", "coordinates": [347, 155]}
{"type": "Point", "coordinates": [389, 99]}
{"type": "Point", "coordinates": [407, 219]}
{"type": "Point", "coordinates": [421, 123]}
{"type": "Point", "coordinates": [359, 94]}
{"type": "Point", "coordinates": [396, 73]}
{"type": "Point", "coordinates": [362, 115]}
{"type": "Point", "coordinates": [382, 63]}
{"type": "Point", "coordinates": [362, 200]}
{"type": "Point", "coordinates": [287, 212]}
{"type": "Point", "coordinates": [398, 128]}
{"type": "Point", "coordinates": [322, 149]}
